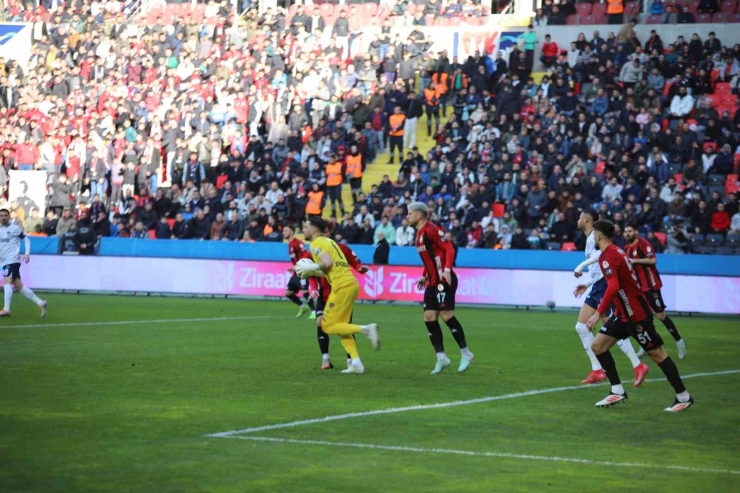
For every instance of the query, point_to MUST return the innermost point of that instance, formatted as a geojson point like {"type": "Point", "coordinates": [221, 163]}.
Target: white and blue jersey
{"type": "Point", "coordinates": [10, 244]}
{"type": "Point", "coordinates": [598, 284]}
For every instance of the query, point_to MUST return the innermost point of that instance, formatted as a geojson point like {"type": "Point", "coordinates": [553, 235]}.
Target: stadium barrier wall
{"type": "Point", "coordinates": [382, 283]}
{"type": "Point", "coordinates": [695, 265]}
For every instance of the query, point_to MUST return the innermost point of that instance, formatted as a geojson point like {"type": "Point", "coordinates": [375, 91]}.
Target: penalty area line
{"type": "Point", "coordinates": [440, 405]}
{"type": "Point", "coordinates": [497, 455]}
{"type": "Point", "coordinates": [137, 322]}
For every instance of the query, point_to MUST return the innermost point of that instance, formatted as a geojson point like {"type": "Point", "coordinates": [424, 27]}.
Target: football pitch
{"type": "Point", "coordinates": [138, 394]}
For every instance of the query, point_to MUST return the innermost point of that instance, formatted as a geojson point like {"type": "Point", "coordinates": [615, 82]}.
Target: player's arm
{"type": "Point", "coordinates": [313, 287]}
{"type": "Point", "coordinates": [594, 258]}
{"type": "Point", "coordinates": [439, 241]}
{"type": "Point", "coordinates": [27, 244]}
{"type": "Point", "coordinates": [612, 283]}
{"type": "Point", "coordinates": [352, 259]}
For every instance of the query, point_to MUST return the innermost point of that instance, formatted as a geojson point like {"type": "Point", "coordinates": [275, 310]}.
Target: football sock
{"type": "Point", "coordinates": [610, 368]}
{"type": "Point", "coordinates": [671, 373]}
{"type": "Point", "coordinates": [466, 352]}
{"type": "Point", "coordinates": [457, 332]}
{"type": "Point", "coordinates": [626, 346]}
{"type": "Point", "coordinates": [30, 295]}
{"type": "Point", "coordinates": [672, 328]}
{"type": "Point", "coordinates": [441, 356]}
{"type": "Point", "coordinates": [435, 336]}
{"type": "Point", "coordinates": [323, 341]}
{"type": "Point", "coordinates": [587, 338]}
{"type": "Point", "coordinates": [8, 288]}
{"type": "Point", "coordinates": [295, 299]}
{"type": "Point", "coordinates": [353, 337]}
{"type": "Point", "coordinates": [350, 346]}
{"type": "Point", "coordinates": [683, 397]}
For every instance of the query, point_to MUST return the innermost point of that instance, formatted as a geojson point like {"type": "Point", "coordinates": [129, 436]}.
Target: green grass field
{"type": "Point", "coordinates": [93, 401]}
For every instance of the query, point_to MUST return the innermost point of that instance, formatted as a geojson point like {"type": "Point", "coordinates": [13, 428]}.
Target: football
{"type": "Point", "coordinates": [304, 266]}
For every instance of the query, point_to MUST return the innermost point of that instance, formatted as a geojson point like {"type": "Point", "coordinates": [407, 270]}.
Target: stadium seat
{"type": "Point", "coordinates": [152, 235]}
{"type": "Point", "coordinates": [696, 241]}
{"type": "Point", "coordinates": [694, 6]}
{"type": "Point", "coordinates": [731, 184]}
{"type": "Point", "coordinates": [661, 237]}
{"type": "Point", "coordinates": [600, 18]}
{"type": "Point", "coordinates": [714, 240]}
{"type": "Point", "coordinates": [588, 20]}
{"type": "Point", "coordinates": [733, 241]}
{"type": "Point", "coordinates": [157, 9]}
{"type": "Point", "coordinates": [171, 222]}
{"type": "Point", "coordinates": [220, 180]}
{"type": "Point", "coordinates": [631, 9]}
{"type": "Point", "coordinates": [716, 180]}
{"type": "Point", "coordinates": [584, 8]}
{"type": "Point", "coordinates": [573, 20]}
{"type": "Point", "coordinates": [719, 18]}
{"type": "Point", "coordinates": [172, 8]}
{"type": "Point", "coordinates": [653, 19]}
{"type": "Point", "coordinates": [733, 17]}
{"type": "Point", "coordinates": [185, 10]}
{"type": "Point", "coordinates": [369, 10]}
{"type": "Point", "coordinates": [679, 178]}
{"type": "Point", "coordinates": [706, 250]}
{"type": "Point", "coordinates": [703, 18]}
{"type": "Point", "coordinates": [728, 7]}
{"type": "Point", "coordinates": [725, 251]}
{"type": "Point", "coordinates": [569, 246]}
{"type": "Point", "coordinates": [326, 10]}
{"type": "Point", "coordinates": [600, 167]}
{"type": "Point", "coordinates": [598, 9]}
{"type": "Point", "coordinates": [674, 168]}
{"type": "Point", "coordinates": [498, 210]}
{"type": "Point", "coordinates": [719, 189]}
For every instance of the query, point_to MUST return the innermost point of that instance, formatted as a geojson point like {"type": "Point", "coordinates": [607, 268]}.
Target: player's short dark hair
{"type": "Point", "coordinates": [592, 214]}
{"type": "Point", "coordinates": [632, 224]}
{"type": "Point", "coordinates": [5, 209]}
{"type": "Point", "coordinates": [318, 222]}
{"type": "Point", "coordinates": [605, 227]}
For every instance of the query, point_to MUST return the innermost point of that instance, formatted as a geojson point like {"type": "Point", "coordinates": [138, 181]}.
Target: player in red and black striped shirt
{"type": "Point", "coordinates": [640, 252]}
{"type": "Point", "coordinates": [297, 250]}
{"type": "Point", "coordinates": [320, 289]}
{"type": "Point", "coordinates": [440, 283]}
{"type": "Point", "coordinates": [632, 317]}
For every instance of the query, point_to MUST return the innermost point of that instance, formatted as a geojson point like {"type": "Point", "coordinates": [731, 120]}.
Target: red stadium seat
{"type": "Point", "coordinates": [152, 235]}
{"type": "Point", "coordinates": [326, 10]}
{"type": "Point", "coordinates": [679, 178]}
{"type": "Point", "coordinates": [588, 20]}
{"type": "Point", "coordinates": [694, 6]}
{"type": "Point", "coordinates": [220, 180]}
{"type": "Point", "coordinates": [600, 167]}
{"type": "Point", "coordinates": [728, 7]}
{"type": "Point", "coordinates": [661, 237]}
{"type": "Point", "coordinates": [599, 9]}
{"type": "Point", "coordinates": [653, 19]}
{"type": "Point", "coordinates": [369, 10]}
{"type": "Point", "coordinates": [584, 8]}
{"type": "Point", "coordinates": [173, 8]}
{"type": "Point", "coordinates": [411, 8]}
{"type": "Point", "coordinates": [573, 20]}
{"type": "Point", "coordinates": [171, 222]}
{"type": "Point", "coordinates": [600, 18]}
{"type": "Point", "coordinates": [631, 9]}
{"type": "Point", "coordinates": [718, 18]}
{"type": "Point", "coordinates": [157, 9]}
{"type": "Point", "coordinates": [498, 210]}
{"type": "Point", "coordinates": [185, 10]}
{"type": "Point", "coordinates": [569, 246]}
{"type": "Point", "coordinates": [731, 185]}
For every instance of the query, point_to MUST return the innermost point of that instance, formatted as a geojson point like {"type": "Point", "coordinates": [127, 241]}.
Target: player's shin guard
{"type": "Point", "coordinates": [587, 338]}
{"type": "Point", "coordinates": [295, 299]}
{"type": "Point", "coordinates": [610, 368]}
{"type": "Point", "coordinates": [671, 328]}
{"type": "Point", "coordinates": [8, 292]}
{"type": "Point", "coordinates": [435, 336]}
{"type": "Point", "coordinates": [457, 332]}
{"type": "Point", "coordinates": [671, 373]}
{"type": "Point", "coordinates": [323, 340]}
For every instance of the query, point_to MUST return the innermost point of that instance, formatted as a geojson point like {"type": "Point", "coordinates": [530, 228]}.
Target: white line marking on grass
{"type": "Point", "coordinates": [136, 322]}
{"type": "Point", "coordinates": [422, 407]}
{"type": "Point", "coordinates": [498, 455]}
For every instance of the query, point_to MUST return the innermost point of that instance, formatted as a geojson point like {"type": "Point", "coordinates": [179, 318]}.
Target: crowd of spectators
{"type": "Point", "coordinates": [197, 131]}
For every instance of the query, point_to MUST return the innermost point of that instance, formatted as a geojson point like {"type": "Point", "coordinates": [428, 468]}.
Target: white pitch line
{"type": "Point", "coordinates": [422, 407]}
{"type": "Point", "coordinates": [135, 322]}
{"type": "Point", "coordinates": [499, 455]}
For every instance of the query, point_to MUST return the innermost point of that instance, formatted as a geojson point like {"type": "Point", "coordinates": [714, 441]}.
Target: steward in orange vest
{"type": "Point", "coordinates": [355, 167]}
{"type": "Point", "coordinates": [395, 132]}
{"type": "Point", "coordinates": [315, 201]}
{"type": "Point", "coordinates": [334, 178]}
{"type": "Point", "coordinates": [431, 103]}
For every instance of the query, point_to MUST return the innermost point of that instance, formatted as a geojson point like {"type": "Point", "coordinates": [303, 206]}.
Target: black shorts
{"type": "Point", "coordinates": [296, 284]}
{"type": "Point", "coordinates": [655, 298]}
{"type": "Point", "coordinates": [441, 297]}
{"type": "Point", "coordinates": [644, 332]}
{"type": "Point", "coordinates": [13, 271]}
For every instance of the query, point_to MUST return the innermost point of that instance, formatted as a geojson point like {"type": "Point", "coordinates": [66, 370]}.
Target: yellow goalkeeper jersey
{"type": "Point", "coordinates": [340, 274]}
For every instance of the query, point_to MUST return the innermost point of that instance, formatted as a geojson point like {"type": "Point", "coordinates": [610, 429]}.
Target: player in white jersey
{"type": "Point", "coordinates": [11, 235]}
{"type": "Point", "coordinates": [597, 285]}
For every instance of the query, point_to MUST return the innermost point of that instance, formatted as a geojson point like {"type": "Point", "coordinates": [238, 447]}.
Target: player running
{"type": "Point", "coordinates": [320, 290]}
{"type": "Point", "coordinates": [330, 262]}
{"type": "Point", "coordinates": [297, 251]}
{"type": "Point", "coordinates": [598, 287]}
{"type": "Point", "coordinates": [640, 253]}
{"type": "Point", "coordinates": [631, 317]}
{"type": "Point", "coordinates": [440, 282]}
{"type": "Point", "coordinates": [11, 235]}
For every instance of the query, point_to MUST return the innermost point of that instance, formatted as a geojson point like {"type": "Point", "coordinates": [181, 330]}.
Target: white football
{"type": "Point", "coordinates": [305, 268]}
{"type": "Point", "coordinates": [306, 263]}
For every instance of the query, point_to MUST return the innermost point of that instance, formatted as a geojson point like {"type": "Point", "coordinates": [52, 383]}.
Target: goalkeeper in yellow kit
{"type": "Point", "coordinates": [330, 262]}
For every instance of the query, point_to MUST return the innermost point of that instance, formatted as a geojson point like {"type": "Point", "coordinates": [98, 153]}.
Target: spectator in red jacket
{"type": "Point", "coordinates": [27, 154]}
{"type": "Point", "coordinates": [720, 220]}
{"type": "Point", "coordinates": [550, 52]}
